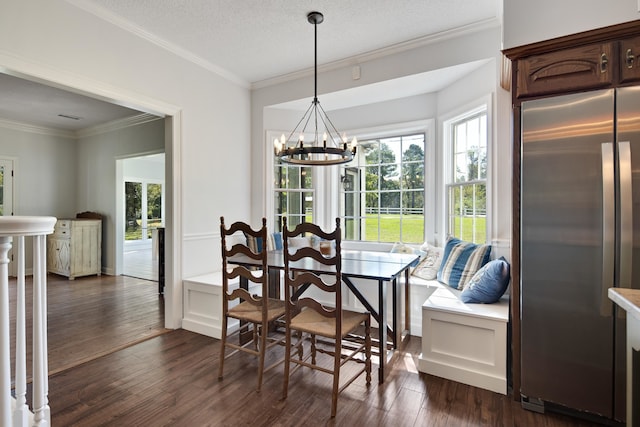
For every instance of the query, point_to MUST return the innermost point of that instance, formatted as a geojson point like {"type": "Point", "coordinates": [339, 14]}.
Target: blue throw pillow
{"type": "Point", "coordinates": [277, 241]}
{"type": "Point", "coordinates": [460, 261]}
{"type": "Point", "coordinates": [488, 284]}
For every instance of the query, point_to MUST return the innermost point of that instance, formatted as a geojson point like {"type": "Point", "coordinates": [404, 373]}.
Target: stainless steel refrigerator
{"type": "Point", "coordinates": [580, 235]}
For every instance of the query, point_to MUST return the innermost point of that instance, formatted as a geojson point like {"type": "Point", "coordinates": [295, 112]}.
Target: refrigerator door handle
{"type": "Point", "coordinates": [626, 214]}
{"type": "Point", "coordinates": [608, 227]}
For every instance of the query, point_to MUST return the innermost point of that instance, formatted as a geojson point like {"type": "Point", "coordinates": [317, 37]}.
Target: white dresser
{"type": "Point", "coordinates": [75, 248]}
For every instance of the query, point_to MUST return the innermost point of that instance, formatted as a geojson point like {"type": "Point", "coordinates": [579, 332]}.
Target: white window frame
{"type": "Point", "coordinates": [319, 175]}
{"type": "Point", "coordinates": [424, 127]}
{"type": "Point", "coordinates": [445, 126]}
{"type": "Point", "coordinates": [327, 203]}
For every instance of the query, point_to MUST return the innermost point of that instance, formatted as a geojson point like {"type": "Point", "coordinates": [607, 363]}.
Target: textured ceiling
{"type": "Point", "coordinates": [37, 104]}
{"type": "Point", "coordinates": [250, 41]}
{"type": "Point", "coordinates": [256, 40]}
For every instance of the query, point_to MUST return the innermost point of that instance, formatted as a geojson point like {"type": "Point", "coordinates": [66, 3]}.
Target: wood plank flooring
{"type": "Point", "coordinates": [93, 316]}
{"type": "Point", "coordinates": [171, 380]}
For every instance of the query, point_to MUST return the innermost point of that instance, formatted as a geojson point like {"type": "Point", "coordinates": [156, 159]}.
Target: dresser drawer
{"type": "Point", "coordinates": [62, 228]}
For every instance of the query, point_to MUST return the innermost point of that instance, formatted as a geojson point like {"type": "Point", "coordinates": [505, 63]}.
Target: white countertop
{"type": "Point", "coordinates": [628, 299]}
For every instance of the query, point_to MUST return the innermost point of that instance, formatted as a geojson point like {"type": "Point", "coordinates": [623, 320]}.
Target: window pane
{"type": "Point", "coordinates": [133, 210]}
{"type": "Point", "coordinates": [308, 206]}
{"type": "Point", "coordinates": [371, 228]}
{"type": "Point", "coordinates": [154, 207]}
{"type": "Point", "coordinates": [371, 174]}
{"type": "Point", "coordinates": [371, 152]}
{"type": "Point", "coordinates": [413, 202]}
{"type": "Point", "coordinates": [393, 181]}
{"type": "Point", "coordinates": [351, 229]}
{"type": "Point", "coordinates": [412, 228]}
{"type": "Point", "coordinates": [390, 216]}
{"type": "Point", "coordinates": [294, 204]}
{"type": "Point", "coordinates": [371, 204]}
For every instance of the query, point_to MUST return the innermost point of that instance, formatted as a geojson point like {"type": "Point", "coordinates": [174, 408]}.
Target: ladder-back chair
{"type": "Point", "coordinates": [306, 268]}
{"type": "Point", "coordinates": [254, 312]}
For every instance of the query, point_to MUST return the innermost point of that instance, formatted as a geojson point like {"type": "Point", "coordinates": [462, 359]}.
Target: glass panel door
{"type": "Point", "coordinates": [154, 207]}
{"type": "Point", "coordinates": [133, 210]}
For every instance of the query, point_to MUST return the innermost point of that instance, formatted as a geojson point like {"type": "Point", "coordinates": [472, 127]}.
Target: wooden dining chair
{"type": "Point", "coordinates": [306, 268]}
{"type": "Point", "coordinates": [254, 312]}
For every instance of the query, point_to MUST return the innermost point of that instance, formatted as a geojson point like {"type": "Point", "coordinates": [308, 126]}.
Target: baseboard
{"type": "Point", "coordinates": [462, 375]}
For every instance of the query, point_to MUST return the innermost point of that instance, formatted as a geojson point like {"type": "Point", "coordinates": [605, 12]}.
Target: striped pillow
{"type": "Point", "coordinates": [254, 244]}
{"type": "Point", "coordinates": [274, 241]}
{"type": "Point", "coordinates": [460, 262]}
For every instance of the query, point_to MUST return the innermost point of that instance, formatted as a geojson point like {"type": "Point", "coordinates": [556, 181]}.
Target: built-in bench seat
{"type": "Point", "coordinates": [203, 304]}
{"type": "Point", "coordinates": [463, 342]}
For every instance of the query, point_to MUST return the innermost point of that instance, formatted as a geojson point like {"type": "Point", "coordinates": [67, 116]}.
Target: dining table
{"type": "Point", "coordinates": [380, 269]}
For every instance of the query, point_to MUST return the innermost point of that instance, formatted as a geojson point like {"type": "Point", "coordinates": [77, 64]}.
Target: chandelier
{"type": "Point", "coordinates": [328, 149]}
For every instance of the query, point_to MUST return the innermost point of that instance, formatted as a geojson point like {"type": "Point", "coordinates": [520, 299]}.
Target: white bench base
{"type": "Point", "coordinates": [202, 304]}
{"type": "Point", "coordinates": [464, 342]}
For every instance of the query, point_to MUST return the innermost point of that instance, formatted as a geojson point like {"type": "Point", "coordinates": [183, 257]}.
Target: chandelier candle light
{"type": "Point", "coordinates": [333, 149]}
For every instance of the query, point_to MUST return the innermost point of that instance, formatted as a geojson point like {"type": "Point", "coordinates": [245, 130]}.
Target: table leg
{"type": "Point", "coordinates": [407, 302]}
{"type": "Point", "coordinates": [397, 330]}
{"type": "Point", "coordinates": [274, 283]}
{"type": "Point", "coordinates": [382, 328]}
{"type": "Point", "coordinates": [384, 331]}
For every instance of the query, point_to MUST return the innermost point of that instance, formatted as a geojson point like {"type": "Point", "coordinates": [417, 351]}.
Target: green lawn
{"type": "Point", "coordinates": [413, 228]}
{"type": "Point", "coordinates": [136, 234]}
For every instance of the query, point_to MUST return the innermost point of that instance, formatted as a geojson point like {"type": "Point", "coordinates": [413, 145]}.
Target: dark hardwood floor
{"type": "Point", "coordinates": [170, 379]}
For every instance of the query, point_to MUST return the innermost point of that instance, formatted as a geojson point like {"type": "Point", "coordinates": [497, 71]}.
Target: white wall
{"type": "Point", "coordinates": [527, 21]}
{"type": "Point", "coordinates": [145, 167]}
{"type": "Point", "coordinates": [97, 187]}
{"type": "Point", "coordinates": [45, 165]}
{"type": "Point", "coordinates": [54, 41]}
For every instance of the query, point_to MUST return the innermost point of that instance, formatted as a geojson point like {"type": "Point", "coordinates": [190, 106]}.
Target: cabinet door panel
{"type": "Point", "coordinates": [629, 57]}
{"type": "Point", "coordinates": [584, 67]}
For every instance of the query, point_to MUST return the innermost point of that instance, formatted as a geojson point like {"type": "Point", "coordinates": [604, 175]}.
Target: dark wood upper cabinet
{"type": "Point", "coordinates": [630, 60]}
{"type": "Point", "coordinates": [595, 59]}
{"type": "Point", "coordinates": [583, 67]}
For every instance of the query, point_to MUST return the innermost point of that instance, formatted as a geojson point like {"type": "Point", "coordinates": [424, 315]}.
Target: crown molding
{"type": "Point", "coordinates": [380, 53]}
{"type": "Point", "coordinates": [82, 133]}
{"type": "Point", "coordinates": [116, 125]}
{"type": "Point", "coordinates": [118, 21]}
{"type": "Point", "coordinates": [42, 130]}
